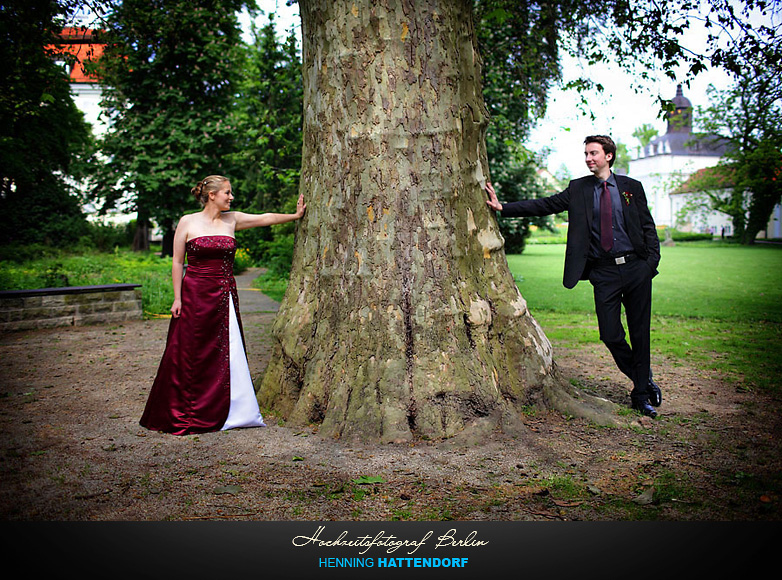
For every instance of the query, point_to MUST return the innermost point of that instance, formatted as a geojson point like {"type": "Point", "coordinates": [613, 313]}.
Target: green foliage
{"type": "Point", "coordinates": [521, 43]}
{"type": "Point", "coordinates": [515, 176]}
{"type": "Point", "coordinates": [90, 268]}
{"type": "Point", "coordinates": [268, 121]}
{"type": "Point", "coordinates": [622, 162]}
{"type": "Point", "coordinates": [678, 236]}
{"type": "Point", "coordinates": [645, 134]}
{"type": "Point", "coordinates": [747, 116]}
{"type": "Point", "coordinates": [95, 236]}
{"type": "Point", "coordinates": [42, 132]}
{"type": "Point", "coordinates": [274, 286]}
{"type": "Point", "coordinates": [277, 254]}
{"type": "Point", "coordinates": [105, 236]}
{"type": "Point", "coordinates": [761, 173]}
{"type": "Point", "coordinates": [521, 60]}
{"type": "Point", "coordinates": [171, 75]}
{"type": "Point", "coordinates": [268, 118]}
{"type": "Point", "coordinates": [242, 260]}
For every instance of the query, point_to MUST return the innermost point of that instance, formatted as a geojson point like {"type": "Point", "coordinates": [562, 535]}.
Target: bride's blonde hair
{"type": "Point", "coordinates": [206, 186]}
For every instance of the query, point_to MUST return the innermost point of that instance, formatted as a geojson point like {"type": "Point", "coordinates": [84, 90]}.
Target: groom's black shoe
{"type": "Point", "coordinates": [643, 406]}
{"type": "Point", "coordinates": [655, 394]}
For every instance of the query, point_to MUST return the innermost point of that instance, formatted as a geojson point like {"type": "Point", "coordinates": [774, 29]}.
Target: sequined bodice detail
{"type": "Point", "coordinates": [210, 256]}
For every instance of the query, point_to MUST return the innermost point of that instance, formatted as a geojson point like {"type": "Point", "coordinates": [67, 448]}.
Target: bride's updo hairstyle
{"type": "Point", "coordinates": [206, 186]}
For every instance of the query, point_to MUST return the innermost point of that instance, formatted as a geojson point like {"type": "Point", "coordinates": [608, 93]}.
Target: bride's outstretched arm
{"type": "Point", "coordinates": [247, 220]}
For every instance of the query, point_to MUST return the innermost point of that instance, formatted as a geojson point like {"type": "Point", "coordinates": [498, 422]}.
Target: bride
{"type": "Point", "coordinates": [203, 382]}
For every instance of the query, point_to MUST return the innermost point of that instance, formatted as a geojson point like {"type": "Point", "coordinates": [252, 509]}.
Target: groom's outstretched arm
{"type": "Point", "coordinates": [529, 207]}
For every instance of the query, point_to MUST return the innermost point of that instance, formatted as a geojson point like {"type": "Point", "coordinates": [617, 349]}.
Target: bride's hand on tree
{"type": "Point", "coordinates": [300, 206]}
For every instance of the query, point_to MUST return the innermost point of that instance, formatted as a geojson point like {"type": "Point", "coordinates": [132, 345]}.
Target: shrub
{"type": "Point", "coordinates": [242, 260]}
{"type": "Point", "coordinates": [677, 236]}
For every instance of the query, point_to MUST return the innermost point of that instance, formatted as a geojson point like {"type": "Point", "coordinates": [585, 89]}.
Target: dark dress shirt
{"type": "Point", "coordinates": [622, 244]}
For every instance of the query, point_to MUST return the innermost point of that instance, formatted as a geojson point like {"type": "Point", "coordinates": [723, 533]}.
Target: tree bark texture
{"type": "Point", "coordinates": [401, 319]}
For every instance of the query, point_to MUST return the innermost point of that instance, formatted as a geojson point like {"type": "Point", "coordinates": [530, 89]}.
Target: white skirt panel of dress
{"type": "Point", "coordinates": [244, 410]}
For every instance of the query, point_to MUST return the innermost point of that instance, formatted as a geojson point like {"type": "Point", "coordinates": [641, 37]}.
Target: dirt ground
{"type": "Point", "coordinates": [72, 449]}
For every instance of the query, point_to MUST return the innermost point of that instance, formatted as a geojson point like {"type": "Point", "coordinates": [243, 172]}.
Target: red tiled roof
{"type": "Point", "coordinates": [79, 42]}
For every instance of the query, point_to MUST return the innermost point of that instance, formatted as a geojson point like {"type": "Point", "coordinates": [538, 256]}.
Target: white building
{"type": "Point", "coordinates": [79, 42]}
{"type": "Point", "coordinates": [666, 163]}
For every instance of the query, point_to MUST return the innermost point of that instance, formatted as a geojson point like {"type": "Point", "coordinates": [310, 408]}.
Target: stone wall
{"type": "Point", "coordinates": [72, 306]}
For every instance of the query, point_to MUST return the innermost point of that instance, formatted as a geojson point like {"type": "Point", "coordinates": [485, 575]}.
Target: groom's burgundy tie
{"type": "Point", "coordinates": [606, 228]}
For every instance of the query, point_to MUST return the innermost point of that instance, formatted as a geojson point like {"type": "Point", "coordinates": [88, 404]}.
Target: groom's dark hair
{"type": "Point", "coordinates": [607, 143]}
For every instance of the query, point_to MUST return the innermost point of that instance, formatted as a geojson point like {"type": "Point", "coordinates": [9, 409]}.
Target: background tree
{"type": "Point", "coordinates": [622, 162]}
{"type": "Point", "coordinates": [517, 169]}
{"type": "Point", "coordinates": [760, 171]}
{"type": "Point", "coordinates": [170, 77]}
{"type": "Point", "coordinates": [268, 128]}
{"type": "Point", "coordinates": [520, 49]}
{"type": "Point", "coordinates": [645, 134]}
{"type": "Point", "coordinates": [44, 138]}
{"type": "Point", "coordinates": [711, 189]}
{"type": "Point", "coordinates": [523, 40]}
{"type": "Point", "coordinates": [748, 117]}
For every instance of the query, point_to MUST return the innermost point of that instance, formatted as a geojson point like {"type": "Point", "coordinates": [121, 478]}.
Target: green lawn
{"type": "Point", "coordinates": [696, 280]}
{"type": "Point", "coordinates": [716, 306]}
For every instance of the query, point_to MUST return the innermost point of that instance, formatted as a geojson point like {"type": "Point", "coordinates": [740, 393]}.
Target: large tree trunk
{"type": "Point", "coordinates": [401, 319]}
{"type": "Point", "coordinates": [765, 198]}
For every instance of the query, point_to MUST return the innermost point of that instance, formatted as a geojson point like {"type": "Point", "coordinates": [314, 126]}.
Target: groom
{"type": "Point", "coordinates": [612, 242]}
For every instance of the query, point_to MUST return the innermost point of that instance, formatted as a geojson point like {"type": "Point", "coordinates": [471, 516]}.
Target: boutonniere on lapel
{"type": "Point", "coordinates": [627, 196]}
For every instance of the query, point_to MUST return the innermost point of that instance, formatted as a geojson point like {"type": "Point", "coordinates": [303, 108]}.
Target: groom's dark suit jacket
{"type": "Point", "coordinates": [578, 201]}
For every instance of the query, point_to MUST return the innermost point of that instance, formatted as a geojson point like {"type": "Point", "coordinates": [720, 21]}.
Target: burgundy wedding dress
{"type": "Point", "coordinates": [203, 383]}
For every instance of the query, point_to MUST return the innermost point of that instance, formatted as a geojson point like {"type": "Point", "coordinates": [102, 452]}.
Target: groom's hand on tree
{"type": "Point", "coordinates": [492, 202]}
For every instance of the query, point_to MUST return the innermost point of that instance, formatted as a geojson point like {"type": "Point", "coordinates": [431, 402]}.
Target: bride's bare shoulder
{"type": "Point", "coordinates": [188, 220]}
